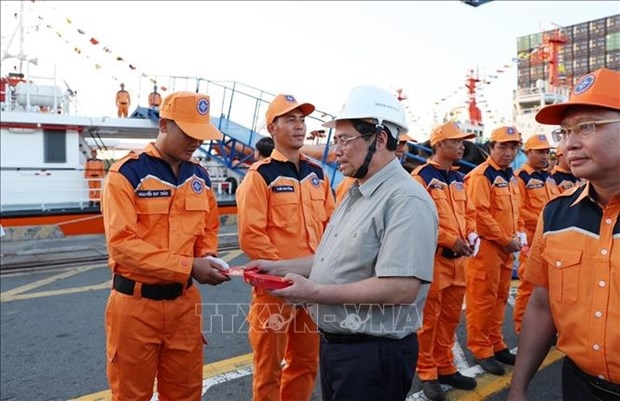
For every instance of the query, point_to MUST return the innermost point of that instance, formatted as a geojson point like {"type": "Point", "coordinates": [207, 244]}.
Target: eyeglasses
{"type": "Point", "coordinates": [343, 143]}
{"type": "Point", "coordinates": [581, 129]}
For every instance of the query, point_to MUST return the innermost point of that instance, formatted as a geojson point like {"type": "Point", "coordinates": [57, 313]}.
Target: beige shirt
{"type": "Point", "coordinates": [386, 227]}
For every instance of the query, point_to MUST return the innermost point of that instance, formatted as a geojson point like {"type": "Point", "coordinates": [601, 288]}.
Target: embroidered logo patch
{"type": "Point", "coordinates": [202, 106]}
{"type": "Point", "coordinates": [585, 84]}
{"type": "Point", "coordinates": [197, 186]}
{"type": "Point", "coordinates": [315, 181]}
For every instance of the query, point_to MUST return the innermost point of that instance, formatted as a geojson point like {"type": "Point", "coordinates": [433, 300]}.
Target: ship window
{"type": "Point", "coordinates": [54, 146]}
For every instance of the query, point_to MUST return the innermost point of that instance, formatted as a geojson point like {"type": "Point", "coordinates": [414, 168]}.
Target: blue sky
{"type": "Point", "coordinates": [317, 51]}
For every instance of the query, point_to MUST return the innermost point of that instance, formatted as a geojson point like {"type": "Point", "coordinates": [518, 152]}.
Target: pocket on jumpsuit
{"type": "Point", "coordinates": [196, 209]}
{"type": "Point", "coordinates": [564, 267]}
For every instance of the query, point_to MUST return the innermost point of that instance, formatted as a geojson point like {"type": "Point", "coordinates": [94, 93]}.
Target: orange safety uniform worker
{"type": "Point", "coordinates": [94, 172]}
{"type": "Point", "coordinates": [574, 262]}
{"type": "Point", "coordinates": [284, 203]}
{"type": "Point", "coordinates": [154, 99]}
{"type": "Point", "coordinates": [161, 222]}
{"type": "Point", "coordinates": [492, 189]}
{"type": "Point", "coordinates": [562, 175]}
{"type": "Point", "coordinates": [122, 102]}
{"type": "Point", "coordinates": [456, 241]}
{"type": "Point", "coordinates": [343, 187]}
{"type": "Point", "coordinates": [537, 187]}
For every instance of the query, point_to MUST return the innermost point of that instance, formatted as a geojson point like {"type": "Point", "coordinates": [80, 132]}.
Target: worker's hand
{"type": "Point", "coordinates": [522, 238]}
{"type": "Point", "coordinates": [513, 246]}
{"type": "Point", "coordinates": [461, 247]}
{"type": "Point", "coordinates": [207, 271]}
{"type": "Point", "coordinates": [218, 261]}
{"type": "Point", "coordinates": [474, 243]}
{"type": "Point", "coordinates": [266, 266]}
{"type": "Point", "coordinates": [300, 292]}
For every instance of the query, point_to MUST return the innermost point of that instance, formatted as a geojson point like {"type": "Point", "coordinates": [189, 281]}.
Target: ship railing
{"type": "Point", "coordinates": [37, 94]}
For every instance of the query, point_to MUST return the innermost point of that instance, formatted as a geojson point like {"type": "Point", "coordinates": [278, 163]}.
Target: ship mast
{"type": "Point", "coordinates": [475, 116]}
{"type": "Point", "coordinates": [553, 43]}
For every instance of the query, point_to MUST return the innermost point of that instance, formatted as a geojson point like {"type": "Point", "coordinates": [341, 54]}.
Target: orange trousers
{"type": "Point", "coordinates": [488, 278]}
{"type": "Point", "coordinates": [94, 186]}
{"type": "Point", "coordinates": [524, 292]}
{"type": "Point", "coordinates": [442, 313]}
{"type": "Point", "coordinates": [123, 110]}
{"type": "Point", "coordinates": [148, 339]}
{"type": "Point", "coordinates": [281, 332]}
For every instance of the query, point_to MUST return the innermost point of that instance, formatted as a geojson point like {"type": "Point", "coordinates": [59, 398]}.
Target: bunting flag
{"type": "Point", "coordinates": [64, 26]}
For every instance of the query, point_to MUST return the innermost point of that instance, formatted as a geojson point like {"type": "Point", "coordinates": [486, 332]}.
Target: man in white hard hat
{"type": "Point", "coordinates": [367, 283]}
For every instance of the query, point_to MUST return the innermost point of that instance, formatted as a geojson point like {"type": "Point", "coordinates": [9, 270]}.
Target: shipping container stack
{"type": "Point", "coordinates": [590, 46]}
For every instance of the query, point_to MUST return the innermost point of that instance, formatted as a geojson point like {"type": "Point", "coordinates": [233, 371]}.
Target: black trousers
{"type": "Point", "coordinates": [378, 369]}
{"type": "Point", "coordinates": [579, 386]}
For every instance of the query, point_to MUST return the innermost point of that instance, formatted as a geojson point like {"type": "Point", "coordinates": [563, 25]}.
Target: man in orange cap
{"type": "Point", "coordinates": [122, 102]}
{"type": "Point", "coordinates": [457, 241]}
{"type": "Point", "coordinates": [574, 263]}
{"type": "Point", "coordinates": [284, 203]}
{"type": "Point", "coordinates": [161, 221]}
{"type": "Point", "coordinates": [492, 189]}
{"type": "Point", "coordinates": [537, 187]}
{"type": "Point", "coordinates": [561, 173]}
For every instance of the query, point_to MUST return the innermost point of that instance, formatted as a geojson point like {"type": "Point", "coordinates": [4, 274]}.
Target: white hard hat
{"type": "Point", "coordinates": [373, 102]}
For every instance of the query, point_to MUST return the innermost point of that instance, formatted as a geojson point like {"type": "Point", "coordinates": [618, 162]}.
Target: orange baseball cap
{"type": "Point", "coordinates": [190, 111]}
{"type": "Point", "coordinates": [282, 104]}
{"type": "Point", "coordinates": [537, 142]}
{"type": "Point", "coordinates": [506, 134]}
{"type": "Point", "coordinates": [404, 137]}
{"type": "Point", "coordinates": [599, 88]}
{"type": "Point", "coordinates": [449, 130]}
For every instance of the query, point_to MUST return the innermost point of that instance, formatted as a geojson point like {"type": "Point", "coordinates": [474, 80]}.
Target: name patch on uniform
{"type": "Point", "coordinates": [436, 184]}
{"type": "Point", "coordinates": [533, 183]}
{"type": "Point", "coordinates": [154, 193]}
{"type": "Point", "coordinates": [500, 182]}
{"type": "Point", "coordinates": [197, 186]}
{"type": "Point", "coordinates": [283, 188]}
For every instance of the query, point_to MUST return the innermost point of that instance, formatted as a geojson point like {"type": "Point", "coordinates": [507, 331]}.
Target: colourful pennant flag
{"type": "Point", "coordinates": [94, 41]}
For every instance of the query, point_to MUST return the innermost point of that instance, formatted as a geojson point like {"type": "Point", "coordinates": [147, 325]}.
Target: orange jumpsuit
{"type": "Point", "coordinates": [576, 256]}
{"type": "Point", "coordinates": [122, 102]}
{"type": "Point", "coordinates": [154, 100]}
{"type": "Point", "coordinates": [94, 172]}
{"type": "Point", "coordinates": [343, 188]}
{"type": "Point", "coordinates": [536, 188]}
{"type": "Point", "coordinates": [495, 196]}
{"type": "Point", "coordinates": [155, 224]}
{"type": "Point", "coordinates": [564, 179]}
{"type": "Point", "coordinates": [444, 302]}
{"type": "Point", "coordinates": [282, 214]}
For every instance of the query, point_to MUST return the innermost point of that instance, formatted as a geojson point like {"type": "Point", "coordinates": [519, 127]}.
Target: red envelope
{"type": "Point", "coordinates": [266, 281]}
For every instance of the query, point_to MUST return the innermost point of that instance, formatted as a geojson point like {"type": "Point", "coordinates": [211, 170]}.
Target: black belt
{"type": "Point", "coordinates": [157, 292]}
{"type": "Point", "coordinates": [352, 338]}
{"type": "Point", "coordinates": [601, 388]}
{"type": "Point", "coordinates": [448, 253]}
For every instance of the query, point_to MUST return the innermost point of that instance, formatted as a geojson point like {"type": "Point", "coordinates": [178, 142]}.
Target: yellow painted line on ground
{"type": "Point", "coordinates": [20, 297]}
{"type": "Point", "coordinates": [208, 371]}
{"type": "Point", "coordinates": [8, 295]}
{"type": "Point", "coordinates": [489, 385]}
